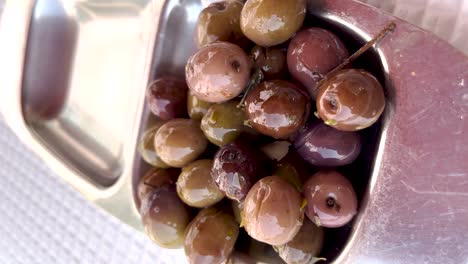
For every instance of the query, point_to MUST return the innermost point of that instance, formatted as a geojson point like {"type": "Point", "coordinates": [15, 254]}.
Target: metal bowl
{"type": "Point", "coordinates": [76, 73]}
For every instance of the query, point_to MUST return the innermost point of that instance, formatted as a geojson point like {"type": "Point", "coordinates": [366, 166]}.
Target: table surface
{"type": "Point", "coordinates": [43, 220]}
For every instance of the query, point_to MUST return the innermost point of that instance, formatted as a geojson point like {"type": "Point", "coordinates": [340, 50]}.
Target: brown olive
{"type": "Point", "coordinates": [220, 21]}
{"type": "Point", "coordinates": [147, 149]}
{"type": "Point", "coordinates": [272, 61]}
{"type": "Point", "coordinates": [331, 200]}
{"type": "Point", "coordinates": [164, 217]}
{"type": "Point", "coordinates": [223, 123]}
{"type": "Point", "coordinates": [197, 108]}
{"type": "Point", "coordinates": [277, 108]}
{"type": "Point", "coordinates": [312, 53]}
{"type": "Point", "coordinates": [210, 237]}
{"type": "Point", "coordinates": [305, 246]}
{"type": "Point", "coordinates": [179, 142]}
{"type": "Point", "coordinates": [155, 178]}
{"type": "Point", "coordinates": [351, 100]}
{"type": "Point", "coordinates": [167, 97]}
{"type": "Point", "coordinates": [218, 72]}
{"type": "Point", "coordinates": [272, 211]}
{"type": "Point", "coordinates": [271, 22]}
{"type": "Point", "coordinates": [195, 185]}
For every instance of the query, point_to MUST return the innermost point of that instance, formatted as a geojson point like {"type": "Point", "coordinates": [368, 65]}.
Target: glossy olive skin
{"type": "Point", "coordinates": [331, 200]}
{"type": "Point", "coordinates": [218, 72]}
{"type": "Point", "coordinates": [272, 211]}
{"type": "Point", "coordinates": [147, 149]}
{"type": "Point", "coordinates": [164, 217]}
{"type": "Point", "coordinates": [210, 237]}
{"type": "Point", "coordinates": [197, 108]}
{"type": "Point", "coordinates": [156, 178]}
{"type": "Point", "coordinates": [220, 21]}
{"type": "Point", "coordinates": [277, 108]}
{"type": "Point", "coordinates": [351, 100]}
{"type": "Point", "coordinates": [324, 146]}
{"type": "Point", "coordinates": [179, 142]}
{"type": "Point", "coordinates": [312, 53]}
{"type": "Point", "coordinates": [223, 123]}
{"type": "Point", "coordinates": [305, 246]}
{"type": "Point", "coordinates": [272, 61]}
{"type": "Point", "coordinates": [236, 168]}
{"type": "Point", "coordinates": [167, 98]}
{"type": "Point", "coordinates": [271, 22]}
{"type": "Point", "coordinates": [195, 185]}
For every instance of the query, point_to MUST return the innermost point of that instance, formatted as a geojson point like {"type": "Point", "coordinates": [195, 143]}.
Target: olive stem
{"type": "Point", "coordinates": [256, 79]}
{"type": "Point", "coordinates": [390, 27]}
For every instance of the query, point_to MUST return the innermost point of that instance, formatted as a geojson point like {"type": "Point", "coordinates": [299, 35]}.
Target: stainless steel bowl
{"type": "Point", "coordinates": [76, 73]}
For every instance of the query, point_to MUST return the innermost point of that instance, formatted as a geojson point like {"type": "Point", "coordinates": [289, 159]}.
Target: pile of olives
{"type": "Point", "coordinates": [245, 152]}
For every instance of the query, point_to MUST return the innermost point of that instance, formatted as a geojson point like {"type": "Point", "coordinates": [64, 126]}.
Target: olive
{"type": "Point", "coordinates": [312, 53]}
{"type": "Point", "coordinates": [195, 185]}
{"type": "Point", "coordinates": [272, 61]}
{"type": "Point", "coordinates": [147, 149]}
{"type": "Point", "coordinates": [305, 246]}
{"type": "Point", "coordinates": [210, 237]}
{"type": "Point", "coordinates": [155, 178]}
{"type": "Point", "coordinates": [240, 258]}
{"type": "Point", "coordinates": [223, 123]}
{"type": "Point", "coordinates": [167, 98]}
{"type": "Point", "coordinates": [164, 217]}
{"type": "Point", "coordinates": [324, 146]}
{"type": "Point", "coordinates": [277, 108]}
{"type": "Point", "coordinates": [220, 21]}
{"type": "Point", "coordinates": [331, 200]}
{"type": "Point", "coordinates": [218, 72]}
{"type": "Point", "coordinates": [196, 108]}
{"type": "Point", "coordinates": [236, 167]}
{"type": "Point", "coordinates": [351, 100]}
{"type": "Point", "coordinates": [286, 171]}
{"type": "Point", "coordinates": [272, 211]}
{"type": "Point", "coordinates": [179, 142]}
{"type": "Point", "coordinates": [271, 22]}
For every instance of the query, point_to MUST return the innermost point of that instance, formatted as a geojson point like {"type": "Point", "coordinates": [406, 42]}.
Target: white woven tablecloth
{"type": "Point", "coordinates": [43, 220]}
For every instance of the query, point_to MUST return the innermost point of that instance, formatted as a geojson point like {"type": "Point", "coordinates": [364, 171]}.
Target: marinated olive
{"type": "Point", "coordinates": [272, 211]}
{"type": "Point", "coordinates": [322, 145]}
{"type": "Point", "coordinates": [272, 61]}
{"type": "Point", "coordinates": [223, 123]}
{"type": "Point", "coordinates": [197, 108]}
{"type": "Point", "coordinates": [351, 100]}
{"type": "Point", "coordinates": [218, 72]}
{"type": "Point", "coordinates": [331, 200]}
{"type": "Point", "coordinates": [286, 171]}
{"type": "Point", "coordinates": [312, 53]}
{"type": "Point", "coordinates": [164, 217]}
{"type": "Point", "coordinates": [147, 149]}
{"type": "Point", "coordinates": [167, 98]}
{"type": "Point", "coordinates": [277, 108]}
{"type": "Point", "coordinates": [240, 258]}
{"type": "Point", "coordinates": [220, 21]}
{"type": "Point", "coordinates": [210, 237]}
{"type": "Point", "coordinates": [195, 185]}
{"type": "Point", "coordinates": [236, 168]}
{"type": "Point", "coordinates": [155, 178]}
{"type": "Point", "coordinates": [179, 142]}
{"type": "Point", "coordinates": [305, 246]}
{"type": "Point", "coordinates": [271, 22]}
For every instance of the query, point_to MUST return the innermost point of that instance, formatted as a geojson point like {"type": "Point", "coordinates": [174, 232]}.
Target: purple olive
{"type": "Point", "coordinates": [167, 98]}
{"type": "Point", "coordinates": [324, 146]}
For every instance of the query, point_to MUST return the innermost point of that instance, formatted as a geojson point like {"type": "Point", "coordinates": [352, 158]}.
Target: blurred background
{"type": "Point", "coordinates": [43, 220]}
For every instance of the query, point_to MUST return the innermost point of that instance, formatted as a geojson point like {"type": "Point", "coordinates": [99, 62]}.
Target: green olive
{"type": "Point", "coordinates": [210, 237]}
{"type": "Point", "coordinates": [155, 178]}
{"type": "Point", "coordinates": [271, 22]}
{"type": "Point", "coordinates": [195, 185]}
{"type": "Point", "coordinates": [147, 149]}
{"type": "Point", "coordinates": [197, 108]}
{"type": "Point", "coordinates": [223, 123]}
{"type": "Point", "coordinates": [220, 21]}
